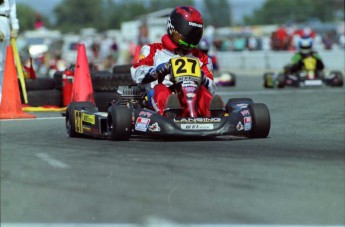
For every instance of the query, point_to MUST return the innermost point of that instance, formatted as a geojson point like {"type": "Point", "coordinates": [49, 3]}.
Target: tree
{"type": "Point", "coordinates": [217, 13]}
{"type": "Point", "coordinates": [76, 14]}
{"type": "Point", "coordinates": [26, 16]}
{"type": "Point", "coordinates": [282, 11]}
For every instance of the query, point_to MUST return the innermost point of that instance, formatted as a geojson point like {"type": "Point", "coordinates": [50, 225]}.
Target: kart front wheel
{"type": "Point", "coordinates": [119, 122]}
{"type": "Point", "coordinates": [261, 121]}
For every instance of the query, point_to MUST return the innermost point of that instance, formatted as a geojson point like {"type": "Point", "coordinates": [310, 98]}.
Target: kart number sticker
{"type": "Point", "coordinates": [185, 66]}
{"type": "Point", "coordinates": [309, 63]}
{"type": "Point", "coordinates": [197, 126]}
{"type": "Point", "coordinates": [142, 124]}
{"type": "Point", "coordinates": [80, 118]}
{"type": "Point", "coordinates": [78, 124]}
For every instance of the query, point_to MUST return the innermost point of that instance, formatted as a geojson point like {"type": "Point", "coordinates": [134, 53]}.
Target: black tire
{"type": "Point", "coordinates": [103, 99]}
{"type": "Point", "coordinates": [122, 69]}
{"type": "Point", "coordinates": [261, 120]}
{"type": "Point", "coordinates": [58, 79]}
{"type": "Point", "coordinates": [268, 80]}
{"type": "Point", "coordinates": [234, 101]}
{"type": "Point", "coordinates": [43, 97]}
{"type": "Point", "coordinates": [70, 121]}
{"type": "Point", "coordinates": [119, 123]}
{"type": "Point", "coordinates": [337, 79]}
{"type": "Point", "coordinates": [107, 81]}
{"type": "Point", "coordinates": [280, 80]}
{"type": "Point", "coordinates": [39, 84]}
{"type": "Point", "coordinates": [233, 82]}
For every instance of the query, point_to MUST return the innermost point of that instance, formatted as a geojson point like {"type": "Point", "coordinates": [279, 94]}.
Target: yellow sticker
{"type": "Point", "coordinates": [89, 118]}
{"type": "Point", "coordinates": [185, 66]}
{"type": "Point", "coordinates": [309, 63]}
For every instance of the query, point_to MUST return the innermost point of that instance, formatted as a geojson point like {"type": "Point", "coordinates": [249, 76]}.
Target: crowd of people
{"type": "Point", "coordinates": [284, 38]}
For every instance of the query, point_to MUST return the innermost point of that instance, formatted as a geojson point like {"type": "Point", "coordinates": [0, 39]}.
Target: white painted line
{"type": "Point", "coordinates": [51, 161]}
{"type": "Point", "coordinates": [34, 119]}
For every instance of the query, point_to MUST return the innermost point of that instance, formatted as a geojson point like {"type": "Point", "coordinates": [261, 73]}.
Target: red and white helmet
{"type": "Point", "coordinates": [185, 27]}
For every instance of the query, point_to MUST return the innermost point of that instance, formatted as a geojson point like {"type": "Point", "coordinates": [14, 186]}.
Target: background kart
{"type": "Point", "coordinates": [302, 79]}
{"type": "Point", "coordinates": [225, 79]}
{"type": "Point", "coordinates": [129, 112]}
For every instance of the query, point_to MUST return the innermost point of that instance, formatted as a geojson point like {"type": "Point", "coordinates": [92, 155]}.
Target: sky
{"type": "Point", "coordinates": [240, 7]}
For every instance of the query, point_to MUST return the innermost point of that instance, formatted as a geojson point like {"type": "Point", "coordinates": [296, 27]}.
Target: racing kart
{"type": "Point", "coordinates": [225, 79]}
{"type": "Point", "coordinates": [307, 77]}
{"type": "Point", "coordinates": [303, 79]}
{"type": "Point", "coordinates": [129, 113]}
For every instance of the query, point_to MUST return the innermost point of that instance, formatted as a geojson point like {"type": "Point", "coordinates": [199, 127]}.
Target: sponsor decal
{"type": "Point", "coordinates": [197, 120]}
{"type": "Point", "coordinates": [197, 126]}
{"type": "Point", "coordinates": [89, 118]}
{"type": "Point", "coordinates": [195, 24]}
{"type": "Point", "coordinates": [245, 113]}
{"type": "Point", "coordinates": [247, 123]}
{"type": "Point", "coordinates": [242, 105]}
{"type": "Point", "coordinates": [313, 82]}
{"type": "Point", "coordinates": [239, 126]}
{"type": "Point", "coordinates": [154, 127]}
{"type": "Point", "coordinates": [145, 114]}
{"type": "Point", "coordinates": [142, 124]}
{"type": "Point", "coordinates": [141, 56]}
{"type": "Point", "coordinates": [190, 95]}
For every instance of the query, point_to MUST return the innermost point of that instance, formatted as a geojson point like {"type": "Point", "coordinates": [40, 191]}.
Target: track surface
{"type": "Point", "coordinates": [294, 177]}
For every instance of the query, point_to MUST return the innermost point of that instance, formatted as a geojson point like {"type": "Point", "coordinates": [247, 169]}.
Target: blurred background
{"type": "Point", "coordinates": [236, 29]}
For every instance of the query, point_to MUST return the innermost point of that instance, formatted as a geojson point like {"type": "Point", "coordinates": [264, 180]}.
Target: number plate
{"type": "Point", "coordinates": [185, 67]}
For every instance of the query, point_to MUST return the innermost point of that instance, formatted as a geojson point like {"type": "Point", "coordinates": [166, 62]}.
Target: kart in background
{"type": "Point", "coordinates": [225, 79]}
{"type": "Point", "coordinates": [129, 113]}
{"type": "Point", "coordinates": [303, 79]}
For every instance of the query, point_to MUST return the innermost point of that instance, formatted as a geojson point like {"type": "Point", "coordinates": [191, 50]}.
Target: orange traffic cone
{"type": "Point", "coordinates": [11, 105]}
{"type": "Point", "coordinates": [82, 86]}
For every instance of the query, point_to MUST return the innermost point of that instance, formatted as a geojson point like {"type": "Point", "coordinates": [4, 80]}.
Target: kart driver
{"type": "Point", "coordinates": [184, 31]}
{"type": "Point", "coordinates": [305, 59]}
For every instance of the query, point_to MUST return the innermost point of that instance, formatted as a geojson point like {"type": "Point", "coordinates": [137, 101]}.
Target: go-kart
{"type": "Point", "coordinates": [308, 76]}
{"type": "Point", "coordinates": [129, 113]}
{"type": "Point", "coordinates": [303, 79]}
{"type": "Point", "coordinates": [225, 79]}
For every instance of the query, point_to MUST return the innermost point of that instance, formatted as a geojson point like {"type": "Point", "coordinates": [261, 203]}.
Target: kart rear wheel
{"type": "Point", "coordinates": [280, 81]}
{"type": "Point", "coordinates": [119, 122]}
{"type": "Point", "coordinates": [261, 121]}
{"type": "Point", "coordinates": [70, 119]}
{"type": "Point", "coordinates": [337, 79]}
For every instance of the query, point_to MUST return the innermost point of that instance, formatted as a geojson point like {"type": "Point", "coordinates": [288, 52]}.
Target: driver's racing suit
{"type": "Point", "coordinates": [299, 63]}
{"type": "Point", "coordinates": [152, 55]}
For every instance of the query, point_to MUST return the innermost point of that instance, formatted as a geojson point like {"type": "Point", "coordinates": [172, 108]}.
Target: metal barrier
{"type": "Point", "coordinates": [274, 60]}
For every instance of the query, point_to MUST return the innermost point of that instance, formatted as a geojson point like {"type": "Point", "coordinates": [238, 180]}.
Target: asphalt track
{"type": "Point", "coordinates": [296, 176]}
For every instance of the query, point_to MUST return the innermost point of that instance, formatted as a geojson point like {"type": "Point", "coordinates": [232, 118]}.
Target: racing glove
{"type": "Point", "coordinates": [158, 73]}
{"type": "Point", "coordinates": [14, 33]}
{"type": "Point", "coordinates": [2, 36]}
{"type": "Point", "coordinates": [209, 84]}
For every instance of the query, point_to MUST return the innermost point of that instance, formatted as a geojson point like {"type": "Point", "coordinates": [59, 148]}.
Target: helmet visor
{"type": "Point", "coordinates": [179, 40]}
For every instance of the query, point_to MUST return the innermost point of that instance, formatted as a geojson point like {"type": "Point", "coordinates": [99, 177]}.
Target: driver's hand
{"type": "Point", "coordinates": [2, 36]}
{"type": "Point", "coordinates": [209, 84]}
{"type": "Point", "coordinates": [158, 73]}
{"type": "Point", "coordinates": [162, 70]}
{"type": "Point", "coordinates": [14, 33]}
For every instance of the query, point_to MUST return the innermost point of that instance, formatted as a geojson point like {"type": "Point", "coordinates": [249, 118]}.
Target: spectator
{"type": "Point", "coordinates": [9, 27]}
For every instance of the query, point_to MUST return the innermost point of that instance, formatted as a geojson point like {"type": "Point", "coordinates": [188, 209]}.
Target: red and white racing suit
{"type": "Point", "coordinates": [152, 55]}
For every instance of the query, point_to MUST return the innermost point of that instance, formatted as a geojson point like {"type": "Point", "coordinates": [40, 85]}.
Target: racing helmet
{"type": "Point", "coordinates": [204, 46]}
{"type": "Point", "coordinates": [305, 44]}
{"type": "Point", "coordinates": [185, 27]}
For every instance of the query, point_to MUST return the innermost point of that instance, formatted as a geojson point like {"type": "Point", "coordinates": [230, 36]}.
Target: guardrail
{"type": "Point", "coordinates": [274, 60]}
